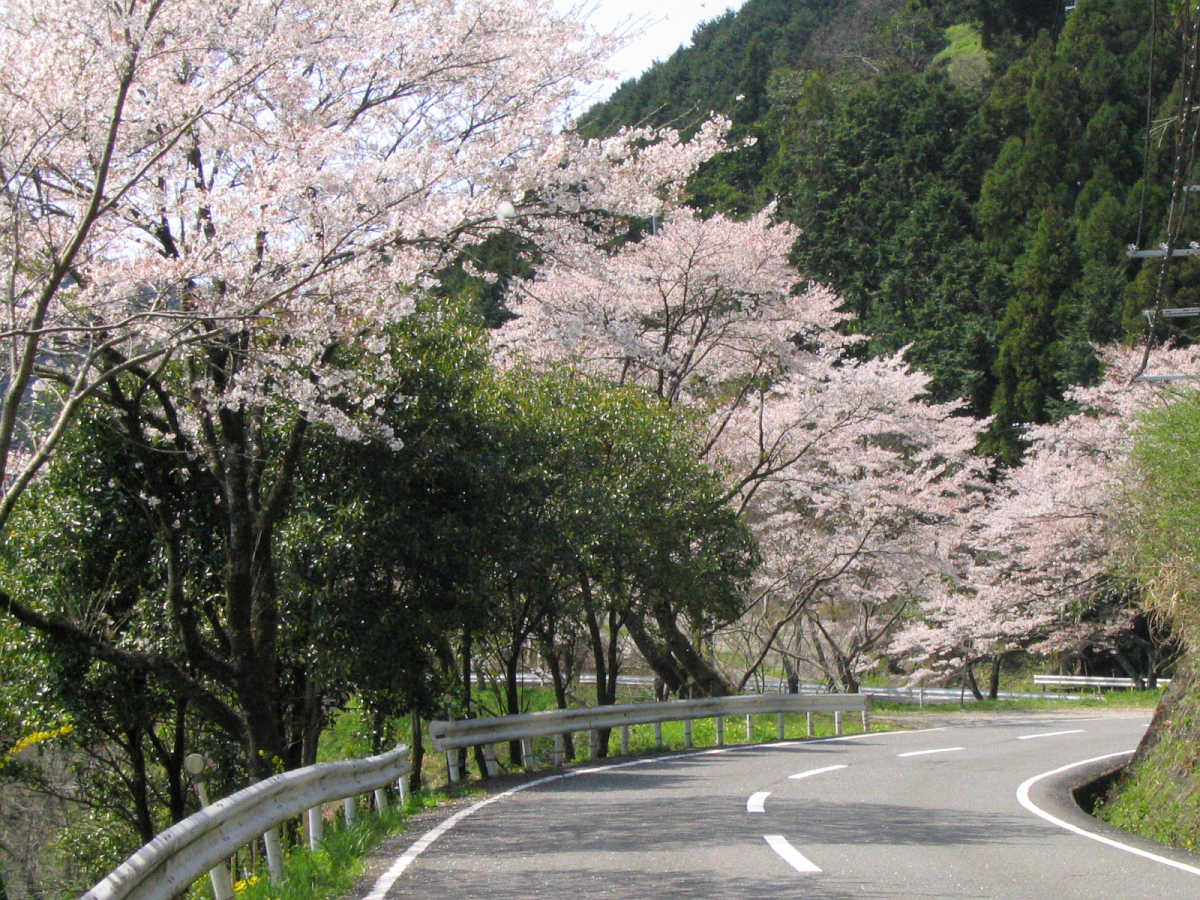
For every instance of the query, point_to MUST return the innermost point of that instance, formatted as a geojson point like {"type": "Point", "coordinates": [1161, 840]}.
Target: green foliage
{"type": "Point", "coordinates": [1031, 355]}
{"type": "Point", "coordinates": [966, 63]}
{"type": "Point", "coordinates": [731, 55]}
{"type": "Point", "coordinates": [1161, 524]}
{"type": "Point", "coordinates": [1158, 795]}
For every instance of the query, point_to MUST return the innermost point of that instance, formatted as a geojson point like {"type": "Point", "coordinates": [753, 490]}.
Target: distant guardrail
{"type": "Point", "coordinates": [168, 865]}
{"type": "Point", "coordinates": [487, 732]}
{"type": "Point", "coordinates": [1096, 681]}
{"type": "Point", "coordinates": [920, 695]}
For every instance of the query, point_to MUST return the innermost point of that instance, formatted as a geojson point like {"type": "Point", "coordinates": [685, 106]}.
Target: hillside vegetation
{"type": "Point", "coordinates": [1159, 795]}
{"type": "Point", "coordinates": [967, 175]}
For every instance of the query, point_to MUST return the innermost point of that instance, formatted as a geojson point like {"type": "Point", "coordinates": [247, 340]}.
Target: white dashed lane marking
{"type": "Point", "coordinates": [928, 752]}
{"type": "Point", "coordinates": [1030, 737]}
{"type": "Point", "coordinates": [820, 771]}
{"type": "Point", "coordinates": [790, 854]}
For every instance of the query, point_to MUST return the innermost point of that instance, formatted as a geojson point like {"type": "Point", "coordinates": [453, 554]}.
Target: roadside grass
{"type": "Point", "coordinates": [1157, 796]}
{"type": "Point", "coordinates": [339, 862]}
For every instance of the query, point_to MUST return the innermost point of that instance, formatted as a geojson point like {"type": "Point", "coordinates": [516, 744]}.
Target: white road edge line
{"type": "Point", "coordinates": [790, 854]}
{"type": "Point", "coordinates": [392, 875]}
{"type": "Point", "coordinates": [1023, 799]}
{"type": "Point", "coordinates": [1030, 737]}
{"type": "Point", "coordinates": [857, 737]}
{"type": "Point", "coordinates": [927, 752]}
{"type": "Point", "coordinates": [820, 771]}
{"type": "Point", "coordinates": [757, 802]}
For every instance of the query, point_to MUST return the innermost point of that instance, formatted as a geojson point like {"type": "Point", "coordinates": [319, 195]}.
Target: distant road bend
{"type": "Point", "coordinates": [970, 810]}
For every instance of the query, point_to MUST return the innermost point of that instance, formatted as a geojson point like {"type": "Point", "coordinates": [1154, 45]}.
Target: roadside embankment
{"type": "Point", "coordinates": [1158, 794]}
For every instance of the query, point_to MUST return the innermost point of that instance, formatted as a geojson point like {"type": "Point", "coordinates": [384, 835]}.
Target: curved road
{"type": "Point", "coordinates": [958, 811]}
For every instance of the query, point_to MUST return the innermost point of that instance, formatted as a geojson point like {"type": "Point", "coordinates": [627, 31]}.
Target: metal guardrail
{"type": "Point", "coordinates": [167, 865]}
{"type": "Point", "coordinates": [450, 736]}
{"type": "Point", "coordinates": [921, 695]}
{"type": "Point", "coordinates": [1096, 681]}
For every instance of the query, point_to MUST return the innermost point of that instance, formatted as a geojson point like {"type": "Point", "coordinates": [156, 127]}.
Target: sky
{"type": "Point", "coordinates": [656, 27]}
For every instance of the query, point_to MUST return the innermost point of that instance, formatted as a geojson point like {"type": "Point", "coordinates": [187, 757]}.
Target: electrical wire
{"type": "Point", "coordinates": [1185, 149]}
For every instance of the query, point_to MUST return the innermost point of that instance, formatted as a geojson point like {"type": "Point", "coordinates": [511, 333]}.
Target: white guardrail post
{"type": "Point", "coordinates": [167, 866]}
{"type": "Point", "coordinates": [197, 765]}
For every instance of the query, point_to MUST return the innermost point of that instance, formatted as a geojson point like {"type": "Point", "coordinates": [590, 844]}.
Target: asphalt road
{"type": "Point", "coordinates": [958, 811]}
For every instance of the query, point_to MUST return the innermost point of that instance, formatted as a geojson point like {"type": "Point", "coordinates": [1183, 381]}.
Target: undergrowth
{"type": "Point", "coordinates": [332, 868]}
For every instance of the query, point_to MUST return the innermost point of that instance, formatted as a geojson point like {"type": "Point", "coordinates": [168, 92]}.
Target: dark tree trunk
{"type": "Point", "coordinates": [970, 682]}
{"type": "Point", "coordinates": [657, 656]}
{"type": "Point", "coordinates": [560, 696]}
{"type": "Point", "coordinates": [417, 751]}
{"type": "Point", "coordinates": [464, 699]}
{"type": "Point", "coordinates": [706, 679]}
{"type": "Point", "coordinates": [512, 699]}
{"type": "Point", "coordinates": [791, 676]}
{"type": "Point", "coordinates": [1130, 670]}
{"type": "Point", "coordinates": [994, 677]}
{"type": "Point", "coordinates": [139, 784]}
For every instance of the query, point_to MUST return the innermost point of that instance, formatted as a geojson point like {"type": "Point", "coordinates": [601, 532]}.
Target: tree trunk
{"type": "Point", "coordinates": [994, 678]}
{"type": "Point", "coordinates": [417, 754]}
{"type": "Point", "coordinates": [139, 784]}
{"type": "Point", "coordinates": [702, 675]}
{"type": "Point", "coordinates": [790, 675]}
{"type": "Point", "coordinates": [1130, 670]}
{"type": "Point", "coordinates": [606, 683]}
{"type": "Point", "coordinates": [512, 698]}
{"type": "Point", "coordinates": [970, 682]}
{"type": "Point", "coordinates": [464, 698]}
{"type": "Point", "coordinates": [657, 656]}
{"type": "Point", "coordinates": [560, 697]}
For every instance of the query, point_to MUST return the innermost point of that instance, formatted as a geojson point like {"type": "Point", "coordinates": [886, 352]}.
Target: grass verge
{"type": "Point", "coordinates": [338, 863]}
{"type": "Point", "coordinates": [1158, 796]}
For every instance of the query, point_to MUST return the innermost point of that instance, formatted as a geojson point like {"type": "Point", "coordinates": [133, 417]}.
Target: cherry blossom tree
{"type": "Point", "coordinates": [1039, 553]}
{"type": "Point", "coordinates": [204, 203]}
{"type": "Point", "coordinates": [838, 465]}
{"type": "Point", "coordinates": [857, 516]}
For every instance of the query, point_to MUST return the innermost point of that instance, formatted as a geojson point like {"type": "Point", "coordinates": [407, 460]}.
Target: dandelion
{"type": "Point", "coordinates": [240, 886]}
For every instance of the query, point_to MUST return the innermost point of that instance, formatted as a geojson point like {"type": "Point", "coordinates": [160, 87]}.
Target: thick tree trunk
{"type": "Point", "coordinates": [705, 678]}
{"type": "Point", "coordinates": [560, 696]}
{"type": "Point", "coordinates": [657, 655]}
{"type": "Point", "coordinates": [139, 784]}
{"type": "Point", "coordinates": [994, 678]}
{"type": "Point", "coordinates": [790, 675]}
{"type": "Point", "coordinates": [606, 678]}
{"type": "Point", "coordinates": [464, 696]}
{"type": "Point", "coordinates": [1130, 670]}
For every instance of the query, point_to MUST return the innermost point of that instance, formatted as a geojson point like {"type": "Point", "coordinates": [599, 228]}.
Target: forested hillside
{"type": "Point", "coordinates": [966, 175]}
